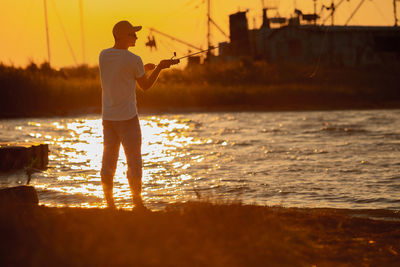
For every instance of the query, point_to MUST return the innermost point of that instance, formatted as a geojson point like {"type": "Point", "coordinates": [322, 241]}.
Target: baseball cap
{"type": "Point", "coordinates": [123, 28]}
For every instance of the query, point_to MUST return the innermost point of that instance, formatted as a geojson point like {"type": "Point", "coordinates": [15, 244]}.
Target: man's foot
{"type": "Point", "coordinates": [140, 207]}
{"type": "Point", "coordinates": [111, 207]}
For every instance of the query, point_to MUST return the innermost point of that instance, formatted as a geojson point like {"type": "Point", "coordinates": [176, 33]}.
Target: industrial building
{"type": "Point", "coordinates": [301, 41]}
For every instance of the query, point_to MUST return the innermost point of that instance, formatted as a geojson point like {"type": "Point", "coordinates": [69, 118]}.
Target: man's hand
{"type": "Point", "coordinates": [149, 67]}
{"type": "Point", "coordinates": [166, 63]}
{"type": "Point", "coordinates": [146, 82]}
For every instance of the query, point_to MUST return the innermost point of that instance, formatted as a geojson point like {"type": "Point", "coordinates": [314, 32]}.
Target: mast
{"type": "Point", "coordinates": [332, 12]}
{"type": "Point", "coordinates": [82, 32]}
{"type": "Point", "coordinates": [47, 30]}
{"type": "Point", "coordinates": [315, 11]}
{"type": "Point", "coordinates": [395, 12]}
{"type": "Point", "coordinates": [208, 26]}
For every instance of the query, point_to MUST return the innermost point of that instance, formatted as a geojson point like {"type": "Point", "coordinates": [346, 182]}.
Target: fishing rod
{"type": "Point", "coordinates": [200, 52]}
{"type": "Point", "coordinates": [190, 55]}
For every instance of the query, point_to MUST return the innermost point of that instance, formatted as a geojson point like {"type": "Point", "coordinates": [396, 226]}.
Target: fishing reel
{"type": "Point", "coordinates": [167, 62]}
{"type": "Point", "coordinates": [174, 61]}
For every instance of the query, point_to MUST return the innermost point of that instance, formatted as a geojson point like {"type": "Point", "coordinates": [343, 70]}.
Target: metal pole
{"type": "Point", "coordinates": [315, 12]}
{"type": "Point", "coordinates": [208, 25]}
{"type": "Point", "coordinates": [82, 32]}
{"type": "Point", "coordinates": [332, 7]}
{"type": "Point", "coordinates": [354, 12]}
{"type": "Point", "coordinates": [47, 30]}
{"type": "Point", "coordinates": [395, 12]}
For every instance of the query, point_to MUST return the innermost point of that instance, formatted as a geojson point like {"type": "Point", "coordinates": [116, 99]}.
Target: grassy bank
{"type": "Point", "coordinates": [195, 234]}
{"type": "Point", "coordinates": [43, 91]}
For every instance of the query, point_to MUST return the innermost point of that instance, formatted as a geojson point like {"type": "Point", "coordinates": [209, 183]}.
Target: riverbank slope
{"type": "Point", "coordinates": [196, 234]}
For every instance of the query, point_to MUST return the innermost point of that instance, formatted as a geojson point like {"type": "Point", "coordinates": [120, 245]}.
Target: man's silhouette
{"type": "Point", "coordinates": [119, 71]}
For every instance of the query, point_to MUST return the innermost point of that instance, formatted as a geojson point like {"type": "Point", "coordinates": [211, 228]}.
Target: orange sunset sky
{"type": "Point", "coordinates": [22, 26]}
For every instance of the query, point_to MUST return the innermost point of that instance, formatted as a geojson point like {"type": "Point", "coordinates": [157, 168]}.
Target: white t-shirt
{"type": "Point", "coordinates": [119, 69]}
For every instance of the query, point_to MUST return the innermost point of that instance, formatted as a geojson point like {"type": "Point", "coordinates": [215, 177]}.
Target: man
{"type": "Point", "coordinates": [119, 71]}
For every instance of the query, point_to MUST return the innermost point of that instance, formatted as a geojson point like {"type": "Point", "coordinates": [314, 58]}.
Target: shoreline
{"type": "Point", "coordinates": [196, 233]}
{"type": "Point", "coordinates": [211, 109]}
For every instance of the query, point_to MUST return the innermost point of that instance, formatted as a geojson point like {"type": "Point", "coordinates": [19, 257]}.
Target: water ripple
{"type": "Point", "coordinates": [339, 159]}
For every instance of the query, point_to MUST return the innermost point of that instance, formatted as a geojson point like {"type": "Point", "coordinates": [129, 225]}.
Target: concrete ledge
{"type": "Point", "coordinates": [25, 195]}
{"type": "Point", "coordinates": [23, 155]}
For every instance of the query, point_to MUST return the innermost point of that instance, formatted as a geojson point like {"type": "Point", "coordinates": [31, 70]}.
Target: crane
{"type": "Point", "coordinates": [172, 38]}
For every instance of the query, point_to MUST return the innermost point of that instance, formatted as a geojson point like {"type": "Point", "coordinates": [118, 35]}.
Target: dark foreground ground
{"type": "Point", "coordinates": [196, 234]}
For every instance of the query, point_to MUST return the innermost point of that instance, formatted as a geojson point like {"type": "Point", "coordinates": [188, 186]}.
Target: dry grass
{"type": "Point", "coordinates": [195, 234]}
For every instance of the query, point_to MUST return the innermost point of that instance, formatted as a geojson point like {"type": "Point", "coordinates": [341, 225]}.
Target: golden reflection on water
{"type": "Point", "coordinates": [76, 163]}
{"type": "Point", "coordinates": [268, 158]}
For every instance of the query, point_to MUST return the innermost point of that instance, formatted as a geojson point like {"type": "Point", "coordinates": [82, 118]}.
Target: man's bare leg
{"type": "Point", "coordinates": [107, 183]}
{"type": "Point", "coordinates": [109, 162]}
{"type": "Point", "coordinates": [132, 143]}
{"type": "Point", "coordinates": [135, 184]}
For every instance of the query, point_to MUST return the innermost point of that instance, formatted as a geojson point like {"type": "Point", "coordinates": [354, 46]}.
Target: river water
{"type": "Point", "coordinates": [336, 159]}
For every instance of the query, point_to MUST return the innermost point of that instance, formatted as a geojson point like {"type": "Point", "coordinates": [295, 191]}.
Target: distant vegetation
{"type": "Point", "coordinates": [39, 90]}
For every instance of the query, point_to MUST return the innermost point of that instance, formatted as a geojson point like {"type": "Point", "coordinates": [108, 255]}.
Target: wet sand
{"type": "Point", "coordinates": [198, 234]}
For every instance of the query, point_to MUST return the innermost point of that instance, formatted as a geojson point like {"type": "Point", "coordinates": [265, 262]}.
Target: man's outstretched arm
{"type": "Point", "coordinates": [147, 82]}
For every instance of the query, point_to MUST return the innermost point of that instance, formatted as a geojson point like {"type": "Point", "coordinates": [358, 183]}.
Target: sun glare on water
{"type": "Point", "coordinates": [76, 153]}
{"type": "Point", "coordinates": [337, 159]}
